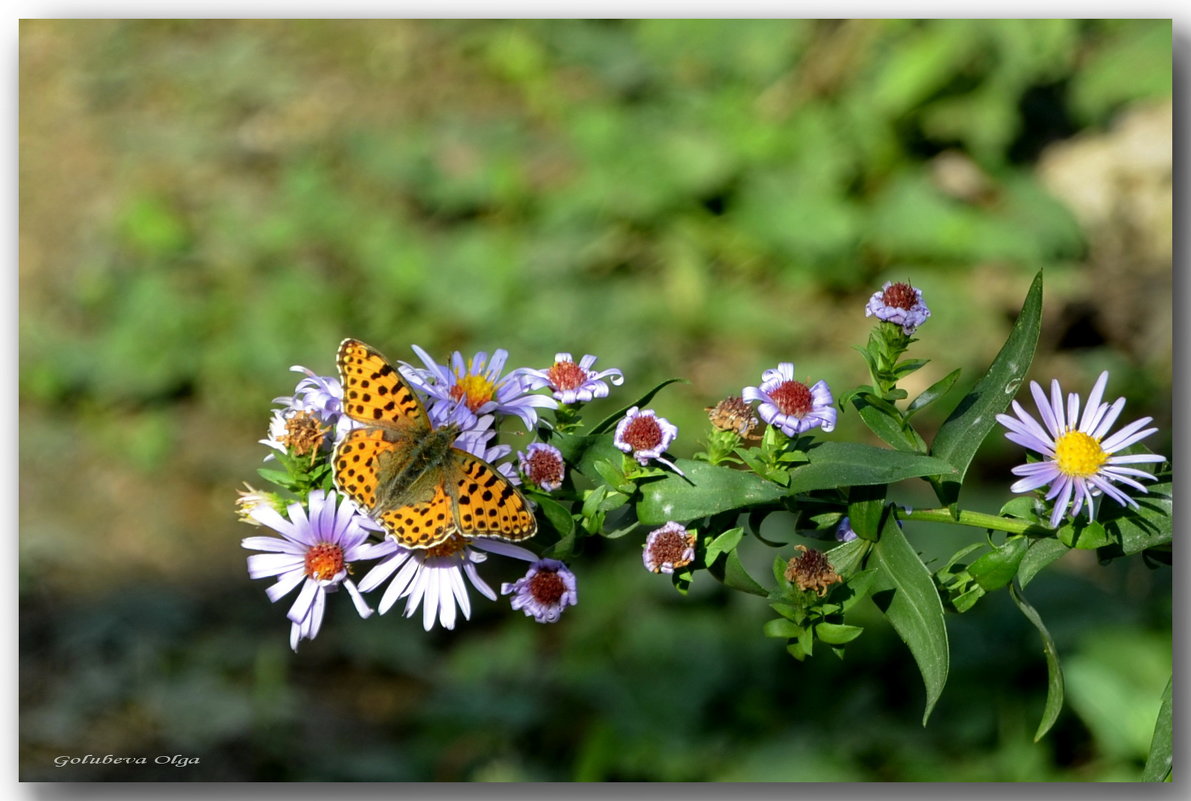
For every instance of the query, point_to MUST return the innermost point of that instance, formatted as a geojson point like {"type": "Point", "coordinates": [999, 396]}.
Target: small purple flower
{"type": "Point", "coordinates": [668, 548]}
{"type": "Point", "coordinates": [432, 578]}
{"type": "Point", "coordinates": [573, 383]}
{"type": "Point", "coordinates": [900, 304]}
{"type": "Point", "coordinates": [646, 436]}
{"type": "Point", "coordinates": [314, 550]}
{"type": "Point", "coordinates": [1078, 455]}
{"type": "Point", "coordinates": [547, 588]}
{"type": "Point", "coordinates": [476, 386]}
{"type": "Point", "coordinates": [543, 465]}
{"type": "Point", "coordinates": [844, 532]}
{"type": "Point", "coordinates": [790, 405]}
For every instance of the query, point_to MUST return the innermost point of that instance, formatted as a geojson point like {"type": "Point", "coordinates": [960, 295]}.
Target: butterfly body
{"type": "Point", "coordinates": [408, 474]}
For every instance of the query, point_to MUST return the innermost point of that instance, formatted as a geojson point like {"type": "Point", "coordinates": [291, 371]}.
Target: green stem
{"type": "Point", "coordinates": [976, 520]}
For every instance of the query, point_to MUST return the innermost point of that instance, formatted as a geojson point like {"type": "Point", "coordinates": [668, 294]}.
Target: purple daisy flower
{"type": "Point", "coordinates": [543, 465]}
{"type": "Point", "coordinates": [476, 386]}
{"type": "Point", "coordinates": [315, 407]}
{"type": "Point", "coordinates": [314, 550]}
{"type": "Point", "coordinates": [574, 383]}
{"type": "Point", "coordinates": [898, 303]}
{"type": "Point", "coordinates": [668, 548]}
{"type": "Point", "coordinates": [1079, 460]}
{"type": "Point", "coordinates": [790, 405]}
{"type": "Point", "coordinates": [433, 578]}
{"type": "Point", "coordinates": [547, 588]}
{"type": "Point", "coordinates": [646, 436]}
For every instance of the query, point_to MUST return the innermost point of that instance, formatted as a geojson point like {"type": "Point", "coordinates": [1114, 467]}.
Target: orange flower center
{"type": "Point", "coordinates": [566, 375]}
{"type": "Point", "coordinates": [324, 561]}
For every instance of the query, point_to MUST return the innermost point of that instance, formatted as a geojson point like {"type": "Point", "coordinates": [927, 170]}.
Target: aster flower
{"type": "Point", "coordinates": [811, 570]}
{"type": "Point", "coordinates": [433, 578]}
{"type": "Point", "coordinates": [1079, 457]}
{"type": "Point", "coordinates": [790, 405]}
{"type": "Point", "coordinates": [844, 532]}
{"type": "Point", "coordinates": [543, 465]}
{"type": "Point", "coordinates": [573, 383]}
{"type": "Point", "coordinates": [476, 386]}
{"type": "Point", "coordinates": [898, 303]}
{"type": "Point", "coordinates": [668, 548]}
{"type": "Point", "coordinates": [315, 408]}
{"type": "Point", "coordinates": [732, 414]}
{"type": "Point", "coordinates": [547, 588]}
{"type": "Point", "coordinates": [646, 436]}
{"type": "Point", "coordinates": [315, 550]}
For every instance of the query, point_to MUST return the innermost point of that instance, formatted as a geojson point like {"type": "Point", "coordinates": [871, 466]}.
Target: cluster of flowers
{"type": "Point", "coordinates": [324, 534]}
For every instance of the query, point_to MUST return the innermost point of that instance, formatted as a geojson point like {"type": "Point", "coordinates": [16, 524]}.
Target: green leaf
{"type": "Point", "coordinates": [558, 515]}
{"type": "Point", "coordinates": [723, 543]}
{"type": "Point", "coordinates": [998, 567]}
{"type": "Point", "coordinates": [609, 422]}
{"type": "Point", "coordinates": [933, 392]}
{"type": "Point", "coordinates": [706, 490]}
{"type": "Point", "coordinates": [733, 574]}
{"type": "Point", "coordinates": [866, 506]}
{"type": "Point", "coordinates": [837, 633]}
{"type": "Point", "coordinates": [914, 609]}
{"type": "Point", "coordinates": [1158, 763]}
{"type": "Point", "coordinates": [847, 558]}
{"type": "Point", "coordinates": [1040, 554]}
{"type": "Point", "coordinates": [1085, 536]}
{"type": "Point", "coordinates": [1054, 689]}
{"type": "Point", "coordinates": [1021, 508]}
{"type": "Point", "coordinates": [969, 423]}
{"type": "Point", "coordinates": [782, 628]}
{"type": "Point", "coordinates": [845, 464]}
{"type": "Point", "coordinates": [885, 421]}
{"type": "Point", "coordinates": [1150, 525]}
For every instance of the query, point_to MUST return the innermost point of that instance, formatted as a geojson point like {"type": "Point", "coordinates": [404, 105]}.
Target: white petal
{"type": "Point", "coordinates": [285, 585]}
{"type": "Point", "coordinates": [261, 565]}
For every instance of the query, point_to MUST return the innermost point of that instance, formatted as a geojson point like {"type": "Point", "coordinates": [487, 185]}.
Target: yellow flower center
{"type": "Point", "coordinates": [473, 390]}
{"type": "Point", "coordinates": [1078, 454]}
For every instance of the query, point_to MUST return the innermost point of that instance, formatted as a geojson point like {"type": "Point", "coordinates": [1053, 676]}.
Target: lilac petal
{"type": "Point", "coordinates": [1127, 436]}
{"type": "Point", "coordinates": [1031, 482]}
{"type": "Point", "coordinates": [1061, 504]}
{"type": "Point", "coordinates": [402, 585]}
{"type": "Point", "coordinates": [1031, 442]}
{"type": "Point", "coordinates": [1056, 405]}
{"type": "Point", "coordinates": [1044, 409]}
{"type": "Point", "coordinates": [1133, 458]}
{"type": "Point", "coordinates": [261, 565]}
{"type": "Point", "coordinates": [1124, 479]}
{"type": "Point", "coordinates": [1109, 417]}
{"type": "Point", "coordinates": [380, 572]}
{"type": "Point", "coordinates": [1072, 409]}
{"type": "Point", "coordinates": [1032, 468]}
{"type": "Point", "coordinates": [1111, 491]}
{"type": "Point", "coordinates": [362, 606]}
{"type": "Point", "coordinates": [1025, 423]}
{"type": "Point", "coordinates": [1093, 407]}
{"type": "Point", "coordinates": [306, 598]}
{"type": "Point", "coordinates": [284, 585]}
{"type": "Point", "coordinates": [505, 549]}
{"type": "Point", "coordinates": [276, 545]}
{"type": "Point", "coordinates": [268, 516]}
{"type": "Point", "coordinates": [477, 582]}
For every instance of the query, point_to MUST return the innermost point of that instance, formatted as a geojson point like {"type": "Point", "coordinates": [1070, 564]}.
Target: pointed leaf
{"type": "Point", "coordinates": [706, 490]}
{"type": "Point", "coordinates": [733, 574]}
{"type": "Point", "coordinates": [1158, 764]}
{"type": "Point", "coordinates": [974, 417]}
{"type": "Point", "coordinates": [845, 464]}
{"type": "Point", "coordinates": [933, 392]}
{"type": "Point", "coordinates": [1054, 689]}
{"type": "Point", "coordinates": [914, 609]}
{"type": "Point", "coordinates": [1040, 554]}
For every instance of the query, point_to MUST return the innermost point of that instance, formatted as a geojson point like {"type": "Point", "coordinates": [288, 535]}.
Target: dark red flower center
{"type": "Point", "coordinates": [547, 587]}
{"type": "Point", "coordinates": [792, 398]}
{"type": "Point", "coordinates": [670, 547]}
{"type": "Point", "coordinates": [643, 433]}
{"type": "Point", "coordinates": [324, 561]}
{"type": "Point", "coordinates": [900, 295]}
{"type": "Point", "coordinates": [566, 375]}
{"type": "Point", "coordinates": [545, 468]}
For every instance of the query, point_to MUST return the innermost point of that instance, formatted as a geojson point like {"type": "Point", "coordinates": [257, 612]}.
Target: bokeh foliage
{"type": "Point", "coordinates": [204, 204]}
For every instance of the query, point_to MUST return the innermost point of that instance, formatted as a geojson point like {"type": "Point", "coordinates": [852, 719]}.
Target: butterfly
{"type": "Point", "coordinates": [408, 474]}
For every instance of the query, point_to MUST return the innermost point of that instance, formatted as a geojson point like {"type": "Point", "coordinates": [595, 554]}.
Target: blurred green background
{"type": "Point", "coordinates": [204, 204]}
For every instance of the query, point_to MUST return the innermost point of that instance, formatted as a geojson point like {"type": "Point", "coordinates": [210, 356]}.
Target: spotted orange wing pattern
{"type": "Point", "coordinates": [421, 525]}
{"type": "Point", "coordinates": [374, 393]}
{"type": "Point", "coordinates": [487, 504]}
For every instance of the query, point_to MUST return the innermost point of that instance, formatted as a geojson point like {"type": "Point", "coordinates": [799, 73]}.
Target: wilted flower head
{"type": "Point", "coordinates": [546, 589]}
{"type": "Point", "coordinates": [1079, 457]}
{"type": "Point", "coordinates": [305, 418]}
{"type": "Point", "coordinates": [668, 548]}
{"type": "Point", "coordinates": [732, 414]}
{"type": "Point", "coordinates": [791, 405]}
{"type": "Point", "coordinates": [811, 571]}
{"type": "Point", "coordinates": [898, 303]}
